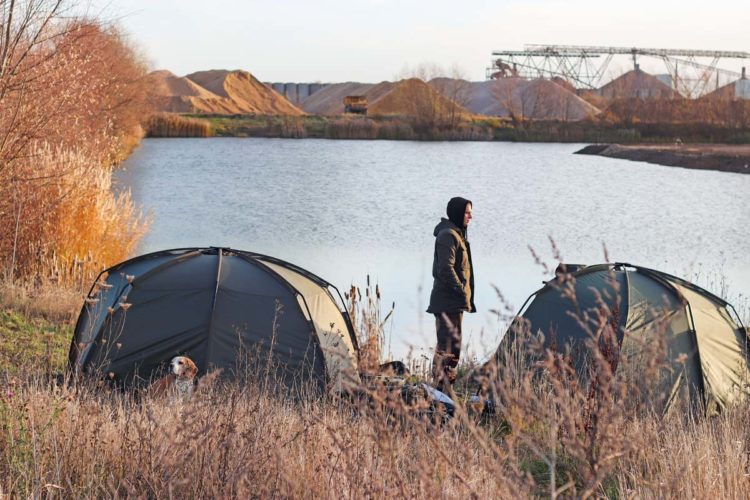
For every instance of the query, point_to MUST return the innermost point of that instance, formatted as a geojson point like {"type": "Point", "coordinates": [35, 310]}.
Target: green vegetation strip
{"type": "Point", "coordinates": [36, 345]}
{"type": "Point", "coordinates": [409, 128]}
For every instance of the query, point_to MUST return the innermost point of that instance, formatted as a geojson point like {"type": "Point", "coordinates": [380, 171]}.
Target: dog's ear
{"type": "Point", "coordinates": [192, 368]}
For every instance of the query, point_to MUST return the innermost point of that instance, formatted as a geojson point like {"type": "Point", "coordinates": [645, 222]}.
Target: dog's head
{"type": "Point", "coordinates": [183, 367]}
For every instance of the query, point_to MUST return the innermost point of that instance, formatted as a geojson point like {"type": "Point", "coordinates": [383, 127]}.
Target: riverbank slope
{"type": "Point", "coordinates": [723, 157]}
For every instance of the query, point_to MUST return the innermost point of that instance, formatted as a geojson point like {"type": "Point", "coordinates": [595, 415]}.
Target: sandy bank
{"type": "Point", "coordinates": [723, 157]}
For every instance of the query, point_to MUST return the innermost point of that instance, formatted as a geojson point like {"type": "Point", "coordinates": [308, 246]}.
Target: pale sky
{"type": "Point", "coordinates": [374, 40]}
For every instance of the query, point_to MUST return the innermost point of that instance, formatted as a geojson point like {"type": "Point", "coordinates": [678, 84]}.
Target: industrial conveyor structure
{"type": "Point", "coordinates": [693, 72]}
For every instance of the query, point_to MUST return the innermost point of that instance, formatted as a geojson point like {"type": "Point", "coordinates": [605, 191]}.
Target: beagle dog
{"type": "Point", "coordinates": [180, 382]}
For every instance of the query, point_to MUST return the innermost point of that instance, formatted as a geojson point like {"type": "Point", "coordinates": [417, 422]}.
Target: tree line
{"type": "Point", "coordinates": [72, 97]}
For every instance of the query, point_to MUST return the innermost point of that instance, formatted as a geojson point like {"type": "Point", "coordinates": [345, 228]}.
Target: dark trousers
{"type": "Point", "coordinates": [447, 350]}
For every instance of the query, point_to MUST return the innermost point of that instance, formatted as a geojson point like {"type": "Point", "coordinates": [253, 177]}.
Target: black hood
{"type": "Point", "coordinates": [456, 210]}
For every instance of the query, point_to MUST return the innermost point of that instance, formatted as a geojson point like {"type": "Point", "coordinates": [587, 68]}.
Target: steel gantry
{"type": "Point", "coordinates": [693, 72]}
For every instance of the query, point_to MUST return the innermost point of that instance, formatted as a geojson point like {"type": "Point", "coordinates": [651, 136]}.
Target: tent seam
{"type": "Point", "coordinates": [209, 349]}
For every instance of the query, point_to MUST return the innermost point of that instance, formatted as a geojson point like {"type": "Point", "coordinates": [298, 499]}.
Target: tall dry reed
{"type": "Point", "coordinates": [369, 322]}
{"type": "Point", "coordinates": [173, 125]}
{"type": "Point", "coordinates": [63, 221]}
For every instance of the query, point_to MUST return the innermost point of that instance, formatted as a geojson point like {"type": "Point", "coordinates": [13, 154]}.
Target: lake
{"type": "Point", "coordinates": [346, 209]}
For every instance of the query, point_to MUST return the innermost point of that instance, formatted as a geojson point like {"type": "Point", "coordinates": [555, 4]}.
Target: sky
{"type": "Point", "coordinates": [375, 40]}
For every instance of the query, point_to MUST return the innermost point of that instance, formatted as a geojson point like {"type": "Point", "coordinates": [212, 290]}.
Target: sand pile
{"type": "Point", "coordinates": [411, 97]}
{"type": "Point", "coordinates": [247, 92]}
{"type": "Point", "coordinates": [330, 100]}
{"type": "Point", "coordinates": [176, 94]}
{"type": "Point", "coordinates": [217, 91]}
{"type": "Point", "coordinates": [529, 99]}
{"type": "Point", "coordinates": [167, 84]}
{"type": "Point", "coordinates": [638, 84]}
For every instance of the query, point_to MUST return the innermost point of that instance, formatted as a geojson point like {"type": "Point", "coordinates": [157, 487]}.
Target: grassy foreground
{"type": "Point", "coordinates": [232, 441]}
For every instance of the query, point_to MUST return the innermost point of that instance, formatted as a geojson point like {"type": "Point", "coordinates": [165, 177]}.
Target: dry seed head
{"type": "Point", "coordinates": [125, 305]}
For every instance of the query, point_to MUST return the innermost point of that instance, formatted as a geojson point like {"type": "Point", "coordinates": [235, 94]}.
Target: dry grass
{"type": "Point", "coordinates": [552, 436]}
{"type": "Point", "coordinates": [46, 299]}
{"type": "Point", "coordinates": [690, 459]}
{"type": "Point", "coordinates": [233, 441]}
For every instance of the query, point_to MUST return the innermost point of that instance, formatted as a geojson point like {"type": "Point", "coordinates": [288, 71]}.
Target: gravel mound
{"type": "Point", "coordinates": [529, 99]}
{"type": "Point", "coordinates": [411, 97]}
{"type": "Point", "coordinates": [639, 84]}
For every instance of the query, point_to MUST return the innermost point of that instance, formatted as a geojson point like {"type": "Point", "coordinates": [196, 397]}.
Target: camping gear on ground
{"type": "Point", "coordinates": [706, 343]}
{"type": "Point", "coordinates": [393, 383]}
{"type": "Point", "coordinates": [222, 308]}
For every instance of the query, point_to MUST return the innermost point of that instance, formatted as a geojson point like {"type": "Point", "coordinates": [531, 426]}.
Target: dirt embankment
{"type": "Point", "coordinates": [722, 157]}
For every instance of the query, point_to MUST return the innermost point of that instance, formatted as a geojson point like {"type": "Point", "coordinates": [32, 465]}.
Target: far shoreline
{"type": "Point", "coordinates": [733, 158]}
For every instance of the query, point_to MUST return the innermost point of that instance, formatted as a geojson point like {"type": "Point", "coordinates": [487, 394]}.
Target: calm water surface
{"type": "Point", "coordinates": [345, 209]}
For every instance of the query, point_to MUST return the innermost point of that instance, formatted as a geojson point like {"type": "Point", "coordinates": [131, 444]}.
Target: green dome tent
{"type": "Point", "coordinates": [213, 305]}
{"type": "Point", "coordinates": [706, 343]}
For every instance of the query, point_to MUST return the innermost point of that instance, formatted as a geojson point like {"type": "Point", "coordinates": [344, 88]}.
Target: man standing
{"type": "Point", "coordinates": [452, 290]}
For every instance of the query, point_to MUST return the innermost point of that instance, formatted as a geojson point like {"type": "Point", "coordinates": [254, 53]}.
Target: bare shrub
{"type": "Point", "coordinates": [71, 101]}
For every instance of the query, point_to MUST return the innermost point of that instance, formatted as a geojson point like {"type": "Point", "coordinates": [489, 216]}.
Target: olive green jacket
{"type": "Point", "coordinates": [453, 288]}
